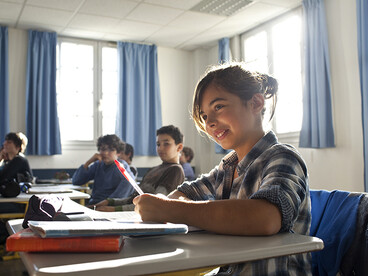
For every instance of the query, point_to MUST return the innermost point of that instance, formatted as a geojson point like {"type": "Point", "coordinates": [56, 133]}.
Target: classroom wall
{"type": "Point", "coordinates": [176, 82]}
{"type": "Point", "coordinates": [334, 168]}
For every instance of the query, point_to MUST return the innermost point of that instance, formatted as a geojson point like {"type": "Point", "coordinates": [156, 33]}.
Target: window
{"type": "Point", "coordinates": [86, 89]}
{"type": "Point", "coordinates": [275, 48]}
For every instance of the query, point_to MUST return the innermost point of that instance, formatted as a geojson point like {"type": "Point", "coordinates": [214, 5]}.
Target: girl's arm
{"type": "Point", "coordinates": [234, 217]}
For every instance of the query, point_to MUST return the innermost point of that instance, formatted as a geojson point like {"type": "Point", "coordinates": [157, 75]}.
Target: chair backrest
{"type": "Point", "coordinates": [334, 217]}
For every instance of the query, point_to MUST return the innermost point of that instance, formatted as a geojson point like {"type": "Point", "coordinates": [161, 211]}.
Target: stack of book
{"type": "Point", "coordinates": [84, 236]}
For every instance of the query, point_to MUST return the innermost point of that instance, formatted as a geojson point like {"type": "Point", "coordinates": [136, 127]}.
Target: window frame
{"type": "Point", "coordinates": [289, 137]}
{"type": "Point", "coordinates": [97, 90]}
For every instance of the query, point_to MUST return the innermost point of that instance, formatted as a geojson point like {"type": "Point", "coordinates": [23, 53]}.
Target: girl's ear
{"type": "Point", "coordinates": [257, 102]}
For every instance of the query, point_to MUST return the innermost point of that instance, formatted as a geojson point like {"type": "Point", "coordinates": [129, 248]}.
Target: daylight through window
{"type": "Point", "coordinates": [86, 89]}
{"type": "Point", "coordinates": [275, 48]}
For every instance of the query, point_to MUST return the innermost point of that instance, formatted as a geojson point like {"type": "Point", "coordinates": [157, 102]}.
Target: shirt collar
{"type": "Point", "coordinates": [261, 146]}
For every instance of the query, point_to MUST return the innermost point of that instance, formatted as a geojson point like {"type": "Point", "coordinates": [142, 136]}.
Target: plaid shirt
{"type": "Point", "coordinates": [271, 171]}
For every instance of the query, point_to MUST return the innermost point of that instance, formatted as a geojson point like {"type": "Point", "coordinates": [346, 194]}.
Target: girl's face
{"type": "Point", "coordinates": [108, 155]}
{"type": "Point", "coordinates": [230, 121]}
{"type": "Point", "coordinates": [167, 149]}
{"type": "Point", "coordinates": [10, 147]}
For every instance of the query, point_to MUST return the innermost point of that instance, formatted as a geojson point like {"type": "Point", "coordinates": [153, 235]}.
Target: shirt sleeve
{"type": "Point", "coordinates": [285, 184]}
{"type": "Point", "coordinates": [202, 188]}
{"type": "Point", "coordinates": [82, 175]}
{"type": "Point", "coordinates": [172, 178]}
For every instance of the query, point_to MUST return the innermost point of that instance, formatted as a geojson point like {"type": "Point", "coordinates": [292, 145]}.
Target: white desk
{"type": "Point", "coordinates": [158, 254]}
{"type": "Point", "coordinates": [23, 197]}
{"type": "Point", "coordinates": [59, 187]}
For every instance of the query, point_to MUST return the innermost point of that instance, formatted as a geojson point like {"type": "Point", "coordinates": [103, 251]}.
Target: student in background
{"type": "Point", "coordinates": [108, 181]}
{"type": "Point", "coordinates": [13, 166]}
{"type": "Point", "coordinates": [127, 155]}
{"type": "Point", "coordinates": [14, 163]}
{"type": "Point", "coordinates": [161, 179]}
{"type": "Point", "coordinates": [186, 157]}
{"type": "Point", "coordinates": [260, 188]}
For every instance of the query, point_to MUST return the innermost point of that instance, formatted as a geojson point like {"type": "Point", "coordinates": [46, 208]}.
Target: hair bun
{"type": "Point", "coordinates": [269, 86]}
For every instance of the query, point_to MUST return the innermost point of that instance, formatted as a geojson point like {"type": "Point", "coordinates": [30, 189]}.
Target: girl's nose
{"type": "Point", "coordinates": [211, 121]}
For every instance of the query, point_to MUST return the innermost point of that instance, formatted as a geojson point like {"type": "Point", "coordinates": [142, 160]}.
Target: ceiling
{"type": "Point", "coordinates": [167, 23]}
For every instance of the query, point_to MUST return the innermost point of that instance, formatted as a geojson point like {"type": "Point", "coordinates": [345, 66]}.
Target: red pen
{"type": "Point", "coordinates": [128, 177]}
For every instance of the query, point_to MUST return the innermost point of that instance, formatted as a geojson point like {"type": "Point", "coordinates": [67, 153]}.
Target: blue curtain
{"type": "Point", "coordinates": [139, 103]}
{"type": "Point", "coordinates": [4, 83]}
{"type": "Point", "coordinates": [317, 126]}
{"type": "Point", "coordinates": [362, 23]}
{"type": "Point", "coordinates": [42, 121]}
{"type": "Point", "coordinates": [224, 50]}
{"type": "Point", "coordinates": [223, 57]}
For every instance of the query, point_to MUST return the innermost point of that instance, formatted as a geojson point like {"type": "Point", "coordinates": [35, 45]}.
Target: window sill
{"type": "Point", "coordinates": [78, 145]}
{"type": "Point", "coordinates": [288, 138]}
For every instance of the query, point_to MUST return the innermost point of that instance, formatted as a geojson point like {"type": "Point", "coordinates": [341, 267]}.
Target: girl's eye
{"type": "Point", "coordinates": [218, 107]}
{"type": "Point", "coordinates": [204, 117]}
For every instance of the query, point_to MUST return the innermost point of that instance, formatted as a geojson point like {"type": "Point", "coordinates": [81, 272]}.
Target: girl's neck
{"type": "Point", "coordinates": [249, 144]}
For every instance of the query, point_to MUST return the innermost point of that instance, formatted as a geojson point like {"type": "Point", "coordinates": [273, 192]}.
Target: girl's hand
{"type": "Point", "coordinates": [151, 207]}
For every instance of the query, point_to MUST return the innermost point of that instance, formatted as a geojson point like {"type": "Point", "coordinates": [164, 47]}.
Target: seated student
{"type": "Point", "coordinates": [259, 188]}
{"type": "Point", "coordinates": [108, 181]}
{"type": "Point", "coordinates": [160, 179]}
{"type": "Point", "coordinates": [13, 166]}
{"type": "Point", "coordinates": [127, 155]}
{"type": "Point", "coordinates": [186, 157]}
{"type": "Point", "coordinates": [14, 163]}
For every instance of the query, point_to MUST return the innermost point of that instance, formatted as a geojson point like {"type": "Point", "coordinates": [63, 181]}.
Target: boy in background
{"type": "Point", "coordinates": [127, 155]}
{"type": "Point", "coordinates": [186, 157]}
{"type": "Point", "coordinates": [101, 168]}
{"type": "Point", "coordinates": [161, 179]}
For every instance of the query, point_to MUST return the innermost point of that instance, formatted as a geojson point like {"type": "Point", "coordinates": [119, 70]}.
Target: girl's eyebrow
{"type": "Point", "coordinates": [213, 102]}
{"type": "Point", "coordinates": [216, 100]}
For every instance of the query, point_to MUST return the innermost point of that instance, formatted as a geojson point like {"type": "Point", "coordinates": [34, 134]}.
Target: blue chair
{"type": "Point", "coordinates": [340, 218]}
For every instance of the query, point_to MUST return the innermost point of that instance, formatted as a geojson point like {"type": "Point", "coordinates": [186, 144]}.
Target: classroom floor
{"type": "Point", "coordinates": [12, 268]}
{"type": "Point", "coordinates": [10, 265]}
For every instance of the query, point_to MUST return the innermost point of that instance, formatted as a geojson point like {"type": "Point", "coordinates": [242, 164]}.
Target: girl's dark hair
{"type": "Point", "coordinates": [110, 140]}
{"type": "Point", "coordinates": [235, 79]}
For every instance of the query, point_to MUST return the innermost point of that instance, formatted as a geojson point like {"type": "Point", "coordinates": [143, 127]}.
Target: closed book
{"type": "Point", "coordinates": [53, 229]}
{"type": "Point", "coordinates": [28, 241]}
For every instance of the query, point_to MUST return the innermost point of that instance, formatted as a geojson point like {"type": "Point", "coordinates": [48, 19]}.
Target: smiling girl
{"type": "Point", "coordinates": [259, 188]}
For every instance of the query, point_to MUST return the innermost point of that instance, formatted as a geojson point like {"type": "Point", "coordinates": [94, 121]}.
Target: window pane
{"type": "Point", "coordinates": [109, 89]}
{"type": "Point", "coordinates": [75, 91]}
{"type": "Point", "coordinates": [286, 39]}
{"type": "Point", "coordinates": [255, 52]}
